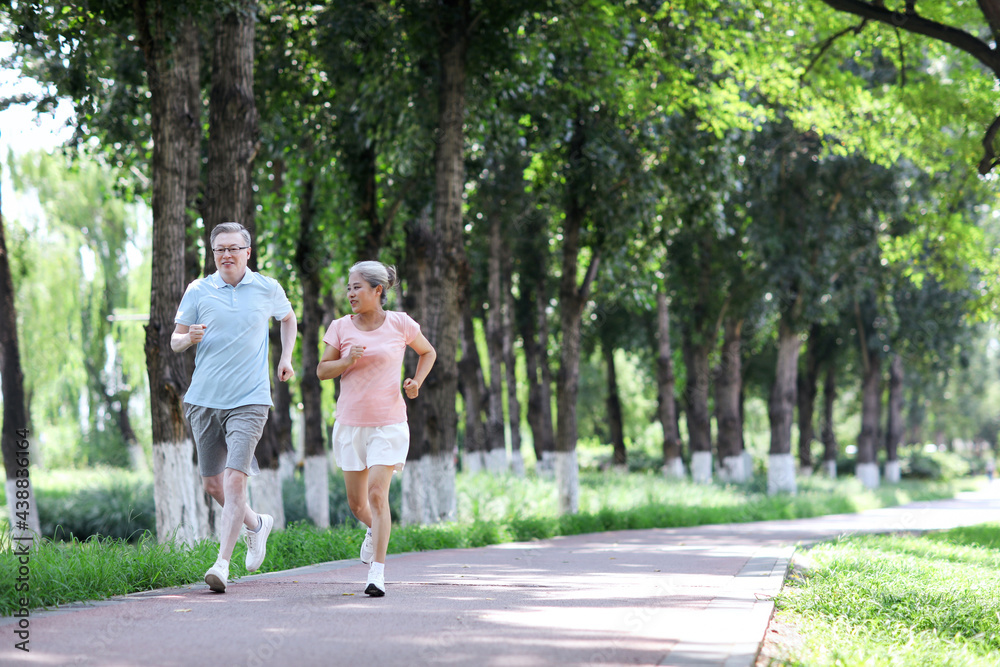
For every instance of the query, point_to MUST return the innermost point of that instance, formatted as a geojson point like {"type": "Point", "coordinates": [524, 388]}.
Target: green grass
{"type": "Point", "coordinates": [898, 600]}
{"type": "Point", "coordinates": [491, 510]}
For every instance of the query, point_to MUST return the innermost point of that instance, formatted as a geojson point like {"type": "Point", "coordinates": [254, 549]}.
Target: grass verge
{"type": "Point", "coordinates": [899, 600]}
{"type": "Point", "coordinates": [491, 510]}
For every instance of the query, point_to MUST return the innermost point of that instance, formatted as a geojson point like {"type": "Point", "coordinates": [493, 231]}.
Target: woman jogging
{"type": "Point", "coordinates": [371, 436]}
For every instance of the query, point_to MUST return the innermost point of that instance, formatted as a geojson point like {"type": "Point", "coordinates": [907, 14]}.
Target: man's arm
{"type": "Point", "coordinates": [289, 331]}
{"type": "Point", "coordinates": [185, 336]}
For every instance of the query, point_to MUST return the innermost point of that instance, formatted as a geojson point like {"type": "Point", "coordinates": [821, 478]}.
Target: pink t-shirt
{"type": "Point", "coordinates": [370, 390]}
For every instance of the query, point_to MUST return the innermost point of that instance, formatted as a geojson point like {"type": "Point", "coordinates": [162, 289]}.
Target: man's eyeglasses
{"type": "Point", "coordinates": [231, 251]}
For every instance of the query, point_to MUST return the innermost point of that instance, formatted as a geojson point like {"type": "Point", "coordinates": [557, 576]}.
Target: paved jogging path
{"type": "Point", "coordinates": [698, 596]}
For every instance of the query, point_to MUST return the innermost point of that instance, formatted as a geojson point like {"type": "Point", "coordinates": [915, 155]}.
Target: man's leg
{"type": "Point", "coordinates": [235, 511]}
{"type": "Point", "coordinates": [214, 487]}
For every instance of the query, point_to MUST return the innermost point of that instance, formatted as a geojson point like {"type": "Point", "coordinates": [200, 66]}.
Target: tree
{"type": "Point", "coordinates": [958, 26]}
{"type": "Point", "coordinates": [16, 434]}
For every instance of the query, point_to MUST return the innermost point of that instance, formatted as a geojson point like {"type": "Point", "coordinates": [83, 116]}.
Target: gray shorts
{"type": "Point", "coordinates": [227, 438]}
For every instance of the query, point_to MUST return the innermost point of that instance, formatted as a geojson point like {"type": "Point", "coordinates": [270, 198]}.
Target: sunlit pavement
{"type": "Point", "coordinates": [699, 596]}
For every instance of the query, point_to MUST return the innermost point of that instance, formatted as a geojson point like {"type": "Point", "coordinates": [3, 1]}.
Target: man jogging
{"type": "Point", "coordinates": [226, 315]}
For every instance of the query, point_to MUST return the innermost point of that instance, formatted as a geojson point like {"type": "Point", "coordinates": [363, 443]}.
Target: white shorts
{"type": "Point", "coordinates": [360, 447]}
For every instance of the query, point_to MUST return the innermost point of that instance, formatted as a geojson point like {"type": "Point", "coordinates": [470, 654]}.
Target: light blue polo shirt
{"type": "Point", "coordinates": [230, 363]}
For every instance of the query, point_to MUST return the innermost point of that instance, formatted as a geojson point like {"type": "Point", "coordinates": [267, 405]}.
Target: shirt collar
{"type": "Point", "coordinates": [219, 283]}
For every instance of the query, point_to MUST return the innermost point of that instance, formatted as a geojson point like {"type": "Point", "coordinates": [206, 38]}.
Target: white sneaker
{"type": "Point", "coordinates": [257, 543]}
{"type": "Point", "coordinates": [217, 576]}
{"type": "Point", "coordinates": [376, 584]}
{"type": "Point", "coordinates": [368, 548]}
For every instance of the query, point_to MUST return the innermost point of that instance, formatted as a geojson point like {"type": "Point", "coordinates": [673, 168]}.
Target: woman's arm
{"type": "Point", "coordinates": [331, 365]}
{"type": "Point", "coordinates": [422, 347]}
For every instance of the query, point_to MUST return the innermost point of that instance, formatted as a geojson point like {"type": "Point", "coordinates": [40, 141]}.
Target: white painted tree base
{"type": "Point", "coordinates": [868, 474]}
{"type": "Point", "coordinates": [733, 470]}
{"type": "Point", "coordinates": [473, 463]}
{"type": "Point", "coordinates": [830, 468]}
{"type": "Point", "coordinates": [181, 509]}
{"type": "Point", "coordinates": [428, 490]}
{"type": "Point", "coordinates": [781, 474]}
{"type": "Point", "coordinates": [265, 496]}
{"type": "Point", "coordinates": [287, 462]}
{"type": "Point", "coordinates": [137, 458]}
{"type": "Point", "coordinates": [892, 472]}
{"type": "Point", "coordinates": [317, 483]}
{"type": "Point", "coordinates": [546, 468]}
{"type": "Point", "coordinates": [496, 461]}
{"type": "Point", "coordinates": [517, 464]}
{"type": "Point", "coordinates": [748, 466]}
{"type": "Point", "coordinates": [805, 471]}
{"type": "Point", "coordinates": [33, 524]}
{"type": "Point", "coordinates": [701, 467]}
{"type": "Point", "coordinates": [674, 469]}
{"type": "Point", "coordinates": [567, 482]}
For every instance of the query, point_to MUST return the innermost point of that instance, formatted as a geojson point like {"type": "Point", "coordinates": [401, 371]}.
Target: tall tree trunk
{"type": "Point", "coordinates": [496, 446]}
{"type": "Point", "coordinates": [696, 406]}
{"type": "Point", "coordinates": [673, 466]}
{"type": "Point", "coordinates": [781, 410]}
{"type": "Point", "coordinates": [894, 428]}
{"type": "Point", "coordinates": [572, 299]}
{"type": "Point", "coordinates": [830, 447]}
{"type": "Point", "coordinates": [536, 354]}
{"type": "Point", "coordinates": [16, 436]}
{"type": "Point", "coordinates": [871, 408]}
{"type": "Point", "coordinates": [232, 126]}
{"type": "Point", "coordinates": [440, 274]}
{"type": "Point", "coordinates": [728, 385]}
{"type": "Point", "coordinates": [510, 367]}
{"type": "Point", "coordinates": [315, 467]}
{"type": "Point", "coordinates": [473, 390]}
{"type": "Point", "coordinates": [182, 507]}
{"type": "Point", "coordinates": [275, 442]}
{"type": "Point", "coordinates": [808, 383]}
{"type": "Point", "coordinates": [615, 422]}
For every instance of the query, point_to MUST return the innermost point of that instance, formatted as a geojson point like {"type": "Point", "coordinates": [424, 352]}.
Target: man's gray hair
{"type": "Point", "coordinates": [229, 228]}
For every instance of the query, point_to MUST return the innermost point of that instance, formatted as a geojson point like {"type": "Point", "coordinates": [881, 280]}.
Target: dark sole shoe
{"type": "Point", "coordinates": [374, 591]}
{"type": "Point", "coordinates": [215, 583]}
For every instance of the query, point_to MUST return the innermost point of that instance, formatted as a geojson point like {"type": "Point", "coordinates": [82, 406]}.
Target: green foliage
{"type": "Point", "coordinates": [918, 463]}
{"type": "Point", "coordinates": [898, 600]}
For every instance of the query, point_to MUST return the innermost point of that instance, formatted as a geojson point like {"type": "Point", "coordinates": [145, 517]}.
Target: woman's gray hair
{"type": "Point", "coordinates": [229, 228]}
{"type": "Point", "coordinates": [375, 274]}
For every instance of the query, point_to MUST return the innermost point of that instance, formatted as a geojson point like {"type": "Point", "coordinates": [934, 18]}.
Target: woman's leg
{"type": "Point", "coordinates": [379, 478]}
{"type": "Point", "coordinates": [356, 482]}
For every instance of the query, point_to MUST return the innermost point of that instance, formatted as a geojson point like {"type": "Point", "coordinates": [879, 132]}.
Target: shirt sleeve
{"type": "Point", "coordinates": [410, 329]}
{"type": "Point", "coordinates": [187, 311]}
{"type": "Point", "coordinates": [332, 335]}
{"type": "Point", "coordinates": [280, 305]}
